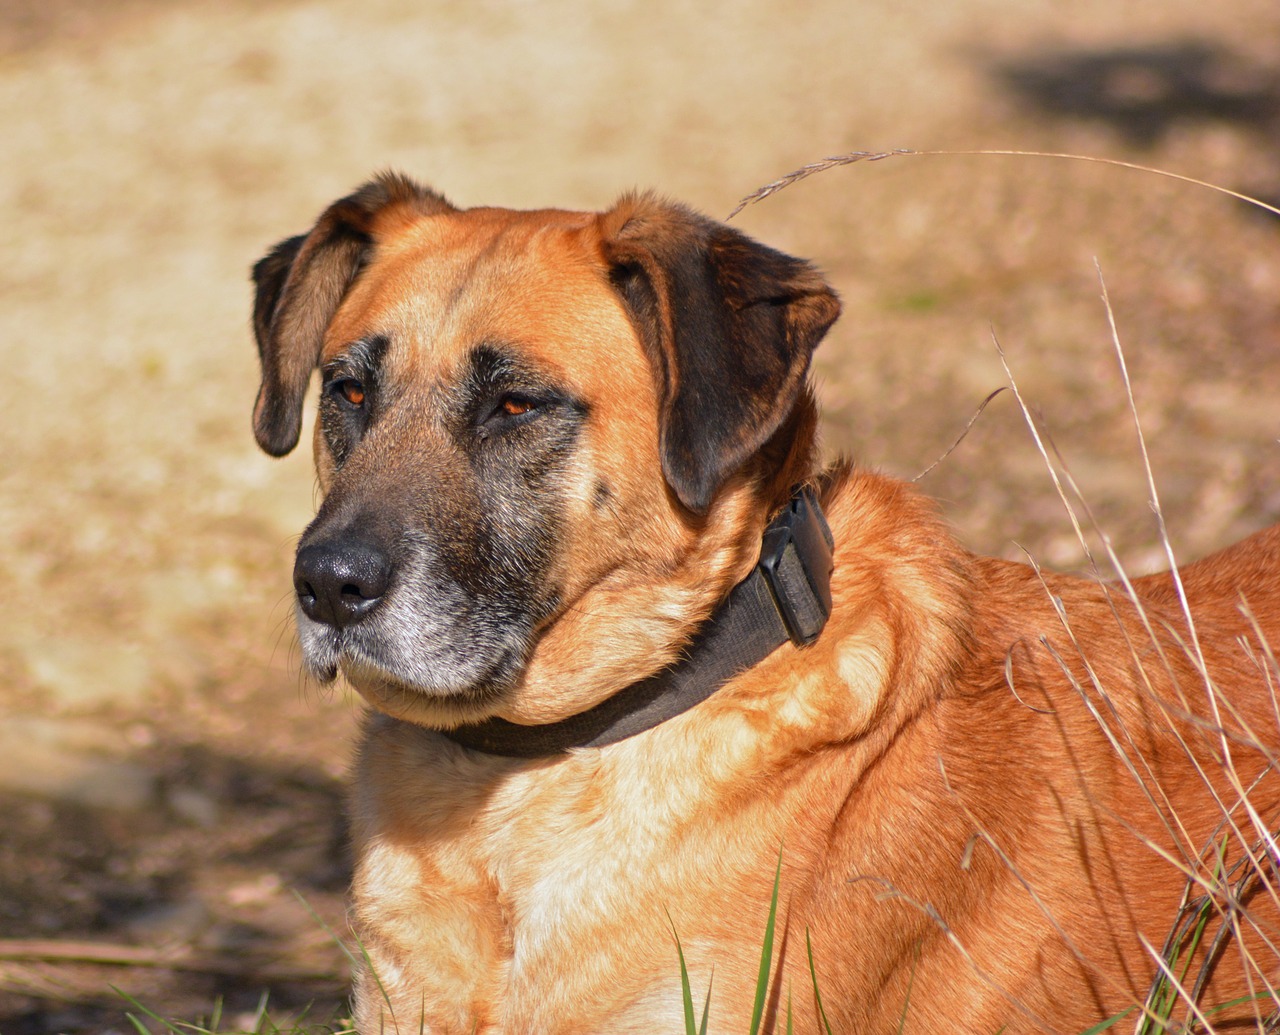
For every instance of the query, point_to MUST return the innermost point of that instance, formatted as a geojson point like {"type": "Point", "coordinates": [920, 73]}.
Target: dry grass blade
{"type": "Point", "coordinates": [809, 170]}
{"type": "Point", "coordinates": [853, 157]}
{"type": "Point", "coordinates": [961, 437]}
{"type": "Point", "coordinates": [1236, 871]}
{"type": "Point", "coordinates": [1136, 764]}
{"type": "Point", "coordinates": [56, 951]}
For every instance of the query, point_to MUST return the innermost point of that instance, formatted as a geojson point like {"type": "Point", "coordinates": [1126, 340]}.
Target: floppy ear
{"type": "Point", "coordinates": [730, 326]}
{"type": "Point", "coordinates": [300, 284]}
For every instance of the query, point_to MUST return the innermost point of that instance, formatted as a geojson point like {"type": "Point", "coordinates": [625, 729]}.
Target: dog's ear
{"type": "Point", "coordinates": [730, 326]}
{"type": "Point", "coordinates": [300, 284]}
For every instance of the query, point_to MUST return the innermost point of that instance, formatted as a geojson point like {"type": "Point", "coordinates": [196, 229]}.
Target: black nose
{"type": "Point", "coordinates": [340, 582]}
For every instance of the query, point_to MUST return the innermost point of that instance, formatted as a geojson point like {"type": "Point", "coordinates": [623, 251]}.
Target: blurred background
{"type": "Point", "coordinates": [170, 787]}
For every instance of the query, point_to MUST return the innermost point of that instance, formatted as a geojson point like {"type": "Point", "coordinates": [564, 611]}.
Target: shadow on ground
{"type": "Point", "coordinates": [214, 886]}
{"type": "Point", "coordinates": [1146, 91]}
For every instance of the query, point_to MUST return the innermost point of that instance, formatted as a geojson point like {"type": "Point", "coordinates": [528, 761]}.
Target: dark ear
{"type": "Point", "coordinates": [300, 284]}
{"type": "Point", "coordinates": [730, 325]}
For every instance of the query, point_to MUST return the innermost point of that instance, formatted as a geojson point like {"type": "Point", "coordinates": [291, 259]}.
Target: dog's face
{"type": "Point", "coordinates": [547, 440]}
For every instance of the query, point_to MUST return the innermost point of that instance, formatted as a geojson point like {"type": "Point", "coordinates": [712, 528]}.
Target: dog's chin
{"type": "Point", "coordinates": [424, 676]}
{"type": "Point", "coordinates": [441, 704]}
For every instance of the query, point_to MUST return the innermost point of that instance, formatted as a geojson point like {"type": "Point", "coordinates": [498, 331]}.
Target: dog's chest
{"type": "Point", "coordinates": [595, 875]}
{"type": "Point", "coordinates": [564, 884]}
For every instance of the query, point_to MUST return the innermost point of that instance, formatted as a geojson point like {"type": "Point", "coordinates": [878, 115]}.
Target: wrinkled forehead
{"type": "Point", "coordinates": [441, 286]}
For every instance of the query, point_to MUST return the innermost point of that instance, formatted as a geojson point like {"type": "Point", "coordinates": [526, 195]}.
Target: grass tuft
{"type": "Point", "coordinates": [260, 1023]}
{"type": "Point", "coordinates": [762, 978]}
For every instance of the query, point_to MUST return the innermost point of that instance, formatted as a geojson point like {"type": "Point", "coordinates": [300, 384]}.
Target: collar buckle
{"type": "Point", "coordinates": [796, 561]}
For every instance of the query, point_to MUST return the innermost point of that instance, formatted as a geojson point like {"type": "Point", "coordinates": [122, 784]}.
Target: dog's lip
{"type": "Point", "coordinates": [389, 697]}
{"type": "Point", "coordinates": [476, 699]}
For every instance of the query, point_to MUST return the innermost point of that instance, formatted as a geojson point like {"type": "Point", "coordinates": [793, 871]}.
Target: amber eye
{"type": "Point", "coordinates": [514, 406]}
{"type": "Point", "coordinates": [352, 391]}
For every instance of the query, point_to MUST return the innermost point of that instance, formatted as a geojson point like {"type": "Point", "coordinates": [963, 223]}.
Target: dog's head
{"type": "Point", "coordinates": [548, 441]}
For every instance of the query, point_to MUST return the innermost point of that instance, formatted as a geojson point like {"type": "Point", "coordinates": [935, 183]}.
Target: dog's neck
{"type": "Point", "coordinates": [787, 597]}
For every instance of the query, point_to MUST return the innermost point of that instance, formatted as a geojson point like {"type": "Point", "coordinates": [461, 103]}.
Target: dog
{"type": "Point", "coordinates": [637, 666]}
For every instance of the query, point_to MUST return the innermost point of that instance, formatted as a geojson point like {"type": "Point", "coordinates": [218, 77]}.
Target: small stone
{"type": "Point", "coordinates": [195, 806]}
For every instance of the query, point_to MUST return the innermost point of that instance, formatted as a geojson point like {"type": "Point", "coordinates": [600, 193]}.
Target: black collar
{"type": "Point", "coordinates": [786, 597]}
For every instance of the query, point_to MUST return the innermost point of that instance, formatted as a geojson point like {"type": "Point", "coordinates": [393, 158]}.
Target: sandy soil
{"type": "Point", "coordinates": [168, 783]}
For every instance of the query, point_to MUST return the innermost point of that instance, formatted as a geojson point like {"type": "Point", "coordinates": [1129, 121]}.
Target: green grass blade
{"type": "Point", "coordinates": [1160, 1004]}
{"type": "Point", "coordinates": [1219, 879]}
{"type": "Point", "coordinates": [1104, 1025]}
{"type": "Point", "coordinates": [813, 974]}
{"type": "Point", "coordinates": [342, 945]}
{"type": "Point", "coordinates": [351, 958]}
{"type": "Point", "coordinates": [260, 1016]}
{"type": "Point", "coordinates": [1257, 998]}
{"type": "Point", "coordinates": [138, 1026]}
{"type": "Point", "coordinates": [686, 992]}
{"type": "Point", "coordinates": [149, 1014]}
{"type": "Point", "coordinates": [766, 953]}
{"type": "Point", "coordinates": [706, 1007]}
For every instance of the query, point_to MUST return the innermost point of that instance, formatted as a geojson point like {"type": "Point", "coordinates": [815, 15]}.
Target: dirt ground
{"type": "Point", "coordinates": [170, 788]}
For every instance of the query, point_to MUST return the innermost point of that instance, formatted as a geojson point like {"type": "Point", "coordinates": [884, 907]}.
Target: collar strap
{"type": "Point", "coordinates": [787, 596]}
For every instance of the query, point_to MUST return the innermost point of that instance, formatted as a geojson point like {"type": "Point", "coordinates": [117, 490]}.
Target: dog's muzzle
{"type": "Point", "coordinates": [391, 615]}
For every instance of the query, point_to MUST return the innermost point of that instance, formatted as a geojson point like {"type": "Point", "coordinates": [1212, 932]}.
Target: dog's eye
{"type": "Point", "coordinates": [351, 390]}
{"type": "Point", "coordinates": [514, 405]}
{"type": "Point", "coordinates": [506, 413]}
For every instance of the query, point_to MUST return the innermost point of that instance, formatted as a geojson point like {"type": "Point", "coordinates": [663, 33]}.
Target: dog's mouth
{"type": "Point", "coordinates": [390, 695]}
{"type": "Point", "coordinates": [416, 663]}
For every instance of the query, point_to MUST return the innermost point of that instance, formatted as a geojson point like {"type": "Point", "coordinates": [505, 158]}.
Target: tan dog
{"type": "Point", "coordinates": [551, 444]}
